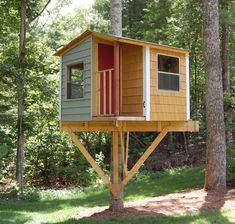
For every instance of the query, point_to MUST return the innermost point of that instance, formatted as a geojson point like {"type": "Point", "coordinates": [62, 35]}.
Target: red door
{"type": "Point", "coordinates": [106, 78]}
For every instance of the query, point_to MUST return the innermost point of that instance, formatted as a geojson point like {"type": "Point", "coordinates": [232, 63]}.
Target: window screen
{"type": "Point", "coordinates": [168, 73]}
{"type": "Point", "coordinates": [75, 81]}
{"type": "Point", "coordinates": [168, 81]}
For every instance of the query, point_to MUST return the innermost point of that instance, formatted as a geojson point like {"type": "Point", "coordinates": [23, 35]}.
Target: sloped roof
{"type": "Point", "coordinates": [109, 37]}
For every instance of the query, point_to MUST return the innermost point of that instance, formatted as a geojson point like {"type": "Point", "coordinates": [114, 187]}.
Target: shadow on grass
{"type": "Point", "coordinates": [215, 201]}
{"type": "Point", "coordinates": [154, 184]}
{"type": "Point", "coordinates": [160, 183]}
{"type": "Point", "coordinates": [205, 217]}
{"type": "Point", "coordinates": [99, 198]}
{"type": "Point", "coordinates": [10, 217]}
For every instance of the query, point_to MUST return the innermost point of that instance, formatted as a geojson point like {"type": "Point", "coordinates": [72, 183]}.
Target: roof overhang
{"type": "Point", "coordinates": [109, 37]}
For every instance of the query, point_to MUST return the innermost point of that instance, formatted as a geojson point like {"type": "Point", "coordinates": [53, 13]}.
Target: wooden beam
{"type": "Point", "coordinates": [121, 79]}
{"type": "Point", "coordinates": [146, 154]}
{"type": "Point", "coordinates": [121, 134]}
{"type": "Point", "coordinates": [89, 158]}
{"type": "Point", "coordinates": [115, 185]}
{"type": "Point", "coordinates": [127, 151]}
{"type": "Point", "coordinates": [115, 157]}
{"type": "Point", "coordinates": [116, 78]}
{"type": "Point", "coordinates": [128, 126]}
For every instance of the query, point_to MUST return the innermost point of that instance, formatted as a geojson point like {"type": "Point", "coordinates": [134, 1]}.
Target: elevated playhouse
{"type": "Point", "coordinates": [117, 84]}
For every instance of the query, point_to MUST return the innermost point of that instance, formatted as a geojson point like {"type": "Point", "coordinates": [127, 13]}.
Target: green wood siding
{"type": "Point", "coordinates": [77, 109]}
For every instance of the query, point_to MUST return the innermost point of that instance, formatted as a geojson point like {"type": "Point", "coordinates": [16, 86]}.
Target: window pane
{"type": "Point", "coordinates": [75, 84]}
{"type": "Point", "coordinates": [168, 64]}
{"type": "Point", "coordinates": [168, 82]}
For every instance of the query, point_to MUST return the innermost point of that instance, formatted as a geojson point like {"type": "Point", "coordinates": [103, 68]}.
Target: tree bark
{"type": "Point", "coordinates": [116, 29]}
{"type": "Point", "coordinates": [215, 178]}
{"type": "Point", "coordinates": [20, 120]}
{"type": "Point", "coordinates": [116, 204]}
{"type": "Point", "coordinates": [225, 51]}
{"type": "Point", "coordinates": [170, 145]}
{"type": "Point", "coordinates": [116, 17]}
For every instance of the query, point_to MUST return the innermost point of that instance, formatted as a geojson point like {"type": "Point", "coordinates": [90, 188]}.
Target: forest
{"type": "Point", "coordinates": [29, 89]}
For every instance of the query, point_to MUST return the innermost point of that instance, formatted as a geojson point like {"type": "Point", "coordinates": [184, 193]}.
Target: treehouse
{"type": "Point", "coordinates": [104, 77]}
{"type": "Point", "coordinates": [117, 84]}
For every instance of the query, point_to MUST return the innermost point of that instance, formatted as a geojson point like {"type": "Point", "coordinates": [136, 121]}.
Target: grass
{"type": "Point", "coordinates": [60, 206]}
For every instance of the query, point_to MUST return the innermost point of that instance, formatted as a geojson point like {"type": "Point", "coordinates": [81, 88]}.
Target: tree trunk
{"type": "Point", "coordinates": [170, 145]}
{"type": "Point", "coordinates": [116, 29]}
{"type": "Point", "coordinates": [116, 204]}
{"type": "Point", "coordinates": [116, 17]}
{"type": "Point", "coordinates": [20, 120]}
{"type": "Point", "coordinates": [225, 33]}
{"type": "Point", "coordinates": [215, 178]}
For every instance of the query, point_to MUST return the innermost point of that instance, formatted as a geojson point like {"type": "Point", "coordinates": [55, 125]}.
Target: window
{"type": "Point", "coordinates": [75, 81]}
{"type": "Point", "coordinates": [168, 73]}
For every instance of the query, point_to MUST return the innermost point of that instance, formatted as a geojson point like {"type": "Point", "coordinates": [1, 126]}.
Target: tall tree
{"type": "Point", "coordinates": [29, 8]}
{"type": "Point", "coordinates": [21, 79]}
{"type": "Point", "coordinates": [215, 178]}
{"type": "Point", "coordinates": [116, 17]}
{"type": "Point", "coordinates": [225, 52]}
{"type": "Point", "coordinates": [116, 29]}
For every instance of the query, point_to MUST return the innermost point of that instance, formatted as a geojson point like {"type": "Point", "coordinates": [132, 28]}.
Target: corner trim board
{"type": "Point", "coordinates": [187, 87]}
{"type": "Point", "coordinates": [146, 82]}
{"type": "Point", "coordinates": [60, 84]}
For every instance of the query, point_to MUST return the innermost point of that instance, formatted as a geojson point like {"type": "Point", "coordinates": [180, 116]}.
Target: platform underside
{"type": "Point", "coordinates": [130, 125]}
{"type": "Point", "coordinates": [120, 140]}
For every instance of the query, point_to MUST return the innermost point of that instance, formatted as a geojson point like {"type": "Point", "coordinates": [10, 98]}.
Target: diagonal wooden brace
{"type": "Point", "coordinates": [146, 154]}
{"type": "Point", "coordinates": [89, 158]}
{"type": "Point", "coordinates": [124, 167]}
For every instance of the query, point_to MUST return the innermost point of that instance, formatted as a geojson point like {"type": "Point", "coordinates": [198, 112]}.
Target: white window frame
{"type": "Point", "coordinates": [66, 80]}
{"type": "Point", "coordinates": [177, 74]}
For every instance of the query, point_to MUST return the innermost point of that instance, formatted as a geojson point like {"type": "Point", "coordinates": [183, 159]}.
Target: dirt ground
{"type": "Point", "coordinates": [172, 204]}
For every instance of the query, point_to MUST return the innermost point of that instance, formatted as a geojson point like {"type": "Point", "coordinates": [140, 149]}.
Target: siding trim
{"type": "Point", "coordinates": [187, 87]}
{"type": "Point", "coordinates": [146, 82]}
{"type": "Point", "coordinates": [91, 78]}
{"type": "Point", "coordinates": [60, 86]}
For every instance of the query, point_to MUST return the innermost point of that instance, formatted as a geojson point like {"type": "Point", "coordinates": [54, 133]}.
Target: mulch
{"type": "Point", "coordinates": [188, 201]}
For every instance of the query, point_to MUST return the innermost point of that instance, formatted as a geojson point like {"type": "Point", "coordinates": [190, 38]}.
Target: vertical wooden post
{"type": "Point", "coordinates": [116, 78]}
{"type": "Point", "coordinates": [116, 197]}
{"type": "Point", "coordinates": [121, 80]}
{"type": "Point", "coordinates": [121, 133]}
{"type": "Point", "coordinates": [146, 154]}
{"type": "Point", "coordinates": [115, 158]}
{"type": "Point", "coordinates": [127, 150]}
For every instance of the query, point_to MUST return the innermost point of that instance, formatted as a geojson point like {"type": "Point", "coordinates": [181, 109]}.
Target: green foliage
{"type": "Point", "coordinates": [50, 157]}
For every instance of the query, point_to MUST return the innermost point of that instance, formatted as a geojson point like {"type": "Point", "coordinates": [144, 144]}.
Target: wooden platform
{"type": "Point", "coordinates": [120, 143]}
{"type": "Point", "coordinates": [127, 126]}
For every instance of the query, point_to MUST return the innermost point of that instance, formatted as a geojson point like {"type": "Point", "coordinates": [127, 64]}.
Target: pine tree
{"type": "Point", "coordinates": [116, 29]}
{"type": "Point", "coordinates": [216, 148]}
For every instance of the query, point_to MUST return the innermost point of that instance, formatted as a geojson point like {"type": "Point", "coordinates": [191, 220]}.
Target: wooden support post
{"type": "Point", "coordinates": [115, 179]}
{"type": "Point", "coordinates": [127, 150]}
{"type": "Point", "coordinates": [115, 157]}
{"type": "Point", "coordinates": [145, 156]}
{"type": "Point", "coordinates": [89, 158]}
{"type": "Point", "coordinates": [116, 78]}
{"type": "Point", "coordinates": [121, 79]}
{"type": "Point", "coordinates": [121, 133]}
